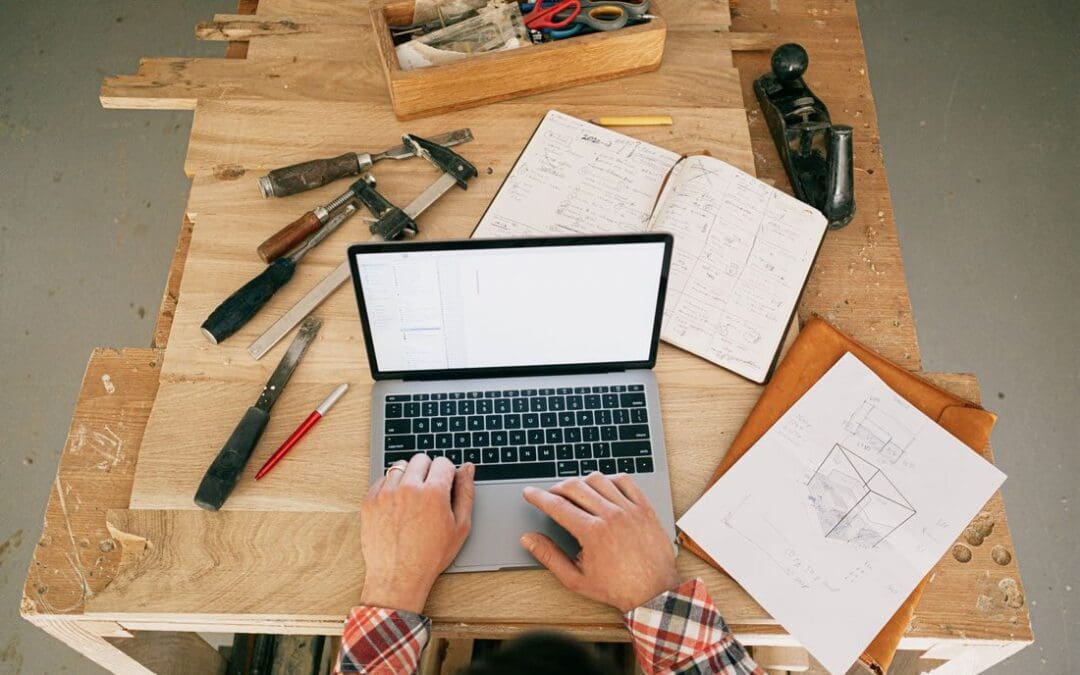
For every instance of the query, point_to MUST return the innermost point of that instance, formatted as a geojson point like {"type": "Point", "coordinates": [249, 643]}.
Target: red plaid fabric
{"type": "Point", "coordinates": [680, 631]}
{"type": "Point", "coordinates": [380, 641]}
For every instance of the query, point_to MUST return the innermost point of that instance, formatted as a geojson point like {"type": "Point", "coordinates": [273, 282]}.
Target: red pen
{"type": "Point", "coordinates": [295, 436]}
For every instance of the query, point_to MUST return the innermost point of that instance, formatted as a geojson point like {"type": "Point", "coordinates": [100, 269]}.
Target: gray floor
{"type": "Point", "coordinates": [973, 102]}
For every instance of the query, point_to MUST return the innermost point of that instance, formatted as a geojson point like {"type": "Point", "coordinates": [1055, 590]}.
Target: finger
{"type": "Point", "coordinates": [629, 488]}
{"type": "Point", "coordinates": [393, 478]}
{"type": "Point", "coordinates": [441, 473]}
{"type": "Point", "coordinates": [377, 485]}
{"type": "Point", "coordinates": [607, 489]}
{"type": "Point", "coordinates": [559, 509]}
{"type": "Point", "coordinates": [552, 557]}
{"type": "Point", "coordinates": [464, 495]}
{"type": "Point", "coordinates": [417, 470]}
{"type": "Point", "coordinates": [583, 496]}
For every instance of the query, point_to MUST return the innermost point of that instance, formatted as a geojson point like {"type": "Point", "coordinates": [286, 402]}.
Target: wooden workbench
{"type": "Point", "coordinates": [973, 609]}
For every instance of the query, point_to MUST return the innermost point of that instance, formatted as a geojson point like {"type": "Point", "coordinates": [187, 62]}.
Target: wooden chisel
{"type": "Point", "coordinates": [309, 175]}
{"type": "Point", "coordinates": [231, 315]}
{"type": "Point", "coordinates": [226, 468]}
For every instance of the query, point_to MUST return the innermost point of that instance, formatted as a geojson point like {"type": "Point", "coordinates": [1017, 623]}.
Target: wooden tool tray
{"type": "Point", "coordinates": [497, 76]}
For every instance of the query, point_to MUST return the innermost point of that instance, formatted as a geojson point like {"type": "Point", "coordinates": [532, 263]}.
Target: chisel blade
{"type": "Point", "coordinates": [448, 139]}
{"type": "Point", "coordinates": [304, 337]}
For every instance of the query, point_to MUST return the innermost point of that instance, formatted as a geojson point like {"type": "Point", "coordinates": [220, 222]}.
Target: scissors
{"type": "Point", "coordinates": [598, 15]}
{"type": "Point", "coordinates": [546, 13]}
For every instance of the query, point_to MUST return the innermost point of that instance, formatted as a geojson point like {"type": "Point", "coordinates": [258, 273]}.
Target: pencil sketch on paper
{"type": "Point", "coordinates": [879, 432]}
{"type": "Point", "coordinates": [855, 501]}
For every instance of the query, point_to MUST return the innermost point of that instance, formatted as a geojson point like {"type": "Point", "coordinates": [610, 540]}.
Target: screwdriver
{"type": "Point", "coordinates": [288, 237]}
{"type": "Point", "coordinates": [314, 173]}
{"type": "Point", "coordinates": [231, 315]}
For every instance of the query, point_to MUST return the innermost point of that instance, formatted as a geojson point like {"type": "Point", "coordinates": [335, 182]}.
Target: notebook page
{"type": "Point", "coordinates": [577, 178]}
{"type": "Point", "coordinates": [743, 250]}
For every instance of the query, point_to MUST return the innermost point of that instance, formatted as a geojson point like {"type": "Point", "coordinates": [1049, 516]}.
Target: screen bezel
{"type": "Point", "coordinates": [528, 242]}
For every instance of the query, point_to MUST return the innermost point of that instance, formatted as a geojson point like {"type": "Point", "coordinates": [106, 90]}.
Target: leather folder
{"type": "Point", "coordinates": [818, 347]}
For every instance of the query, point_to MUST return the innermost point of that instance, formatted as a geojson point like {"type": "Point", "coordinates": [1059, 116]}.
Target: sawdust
{"type": "Point", "coordinates": [979, 529]}
{"type": "Point", "coordinates": [1001, 555]}
{"type": "Point", "coordinates": [961, 553]}
{"type": "Point", "coordinates": [228, 171]}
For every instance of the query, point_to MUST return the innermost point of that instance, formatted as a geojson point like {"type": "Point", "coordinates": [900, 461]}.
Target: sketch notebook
{"type": "Point", "coordinates": [743, 249]}
{"type": "Point", "coordinates": [818, 348]}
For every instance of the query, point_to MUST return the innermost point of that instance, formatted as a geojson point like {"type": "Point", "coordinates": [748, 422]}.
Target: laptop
{"type": "Point", "coordinates": [531, 358]}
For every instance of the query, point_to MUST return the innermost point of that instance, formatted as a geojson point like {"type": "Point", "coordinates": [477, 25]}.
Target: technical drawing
{"type": "Point", "coordinates": [879, 431]}
{"type": "Point", "coordinates": [855, 502]}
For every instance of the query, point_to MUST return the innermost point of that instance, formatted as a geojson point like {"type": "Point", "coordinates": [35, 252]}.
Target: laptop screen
{"type": "Point", "coordinates": [483, 307]}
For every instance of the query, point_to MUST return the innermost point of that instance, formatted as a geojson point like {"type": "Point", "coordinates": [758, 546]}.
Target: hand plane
{"type": "Point", "coordinates": [816, 153]}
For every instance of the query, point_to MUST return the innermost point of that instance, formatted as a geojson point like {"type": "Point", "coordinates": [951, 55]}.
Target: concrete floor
{"type": "Point", "coordinates": [972, 100]}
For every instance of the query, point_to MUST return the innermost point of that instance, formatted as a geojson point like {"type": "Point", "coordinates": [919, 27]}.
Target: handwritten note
{"type": "Point", "coordinates": [743, 249]}
{"type": "Point", "coordinates": [742, 253]}
{"type": "Point", "coordinates": [840, 509]}
{"type": "Point", "coordinates": [577, 178]}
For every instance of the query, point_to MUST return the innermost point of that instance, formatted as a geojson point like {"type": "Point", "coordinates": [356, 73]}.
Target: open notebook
{"type": "Point", "coordinates": [743, 249]}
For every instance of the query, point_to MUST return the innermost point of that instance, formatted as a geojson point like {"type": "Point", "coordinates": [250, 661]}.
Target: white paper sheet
{"type": "Point", "coordinates": [841, 508]}
{"type": "Point", "coordinates": [577, 178]}
{"type": "Point", "coordinates": [743, 250]}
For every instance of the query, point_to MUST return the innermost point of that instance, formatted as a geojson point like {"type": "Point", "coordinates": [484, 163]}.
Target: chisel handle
{"type": "Point", "coordinates": [231, 315]}
{"type": "Point", "coordinates": [289, 180]}
{"type": "Point", "coordinates": [289, 237]}
{"type": "Point", "coordinates": [223, 473]}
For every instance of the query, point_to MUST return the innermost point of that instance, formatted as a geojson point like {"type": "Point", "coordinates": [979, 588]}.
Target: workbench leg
{"type": "Point", "coordinates": [445, 656]}
{"type": "Point", "coordinates": [969, 659]}
{"type": "Point", "coordinates": [143, 653]}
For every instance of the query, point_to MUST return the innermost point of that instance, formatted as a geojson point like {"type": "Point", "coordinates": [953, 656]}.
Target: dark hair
{"type": "Point", "coordinates": [541, 653]}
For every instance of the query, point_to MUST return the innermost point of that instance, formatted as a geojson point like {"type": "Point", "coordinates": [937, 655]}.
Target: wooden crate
{"type": "Point", "coordinates": [497, 76]}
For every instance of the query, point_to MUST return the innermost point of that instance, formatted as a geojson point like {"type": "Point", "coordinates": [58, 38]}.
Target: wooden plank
{"type": "Point", "coordinates": [327, 473]}
{"type": "Point", "coordinates": [173, 653]}
{"type": "Point", "coordinates": [170, 581]}
{"type": "Point", "coordinates": [297, 655]}
{"type": "Point", "coordinates": [76, 556]}
{"type": "Point", "coordinates": [232, 142]}
{"type": "Point", "coordinates": [233, 219]}
{"type": "Point", "coordinates": [169, 297]}
{"type": "Point", "coordinates": [257, 557]}
{"type": "Point", "coordinates": [713, 13]}
{"type": "Point", "coordinates": [858, 282]}
{"type": "Point", "coordinates": [787, 659]}
{"type": "Point", "coordinates": [691, 60]}
{"type": "Point", "coordinates": [79, 635]}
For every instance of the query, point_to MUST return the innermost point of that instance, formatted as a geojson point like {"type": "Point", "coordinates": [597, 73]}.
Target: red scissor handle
{"type": "Point", "coordinates": [542, 15]}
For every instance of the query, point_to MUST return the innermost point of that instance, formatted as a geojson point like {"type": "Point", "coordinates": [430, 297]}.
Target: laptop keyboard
{"type": "Point", "coordinates": [526, 433]}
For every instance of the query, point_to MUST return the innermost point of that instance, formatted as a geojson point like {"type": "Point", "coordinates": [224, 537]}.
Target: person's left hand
{"type": "Point", "coordinates": [413, 524]}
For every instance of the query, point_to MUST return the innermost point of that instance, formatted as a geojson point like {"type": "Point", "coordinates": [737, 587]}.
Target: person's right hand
{"type": "Point", "coordinates": [626, 558]}
{"type": "Point", "coordinates": [413, 523]}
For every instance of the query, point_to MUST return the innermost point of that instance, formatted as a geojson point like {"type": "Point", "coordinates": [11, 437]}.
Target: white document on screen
{"type": "Point", "coordinates": [834, 516]}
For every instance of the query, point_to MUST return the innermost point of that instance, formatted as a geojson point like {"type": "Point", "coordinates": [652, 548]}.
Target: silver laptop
{"type": "Point", "coordinates": [530, 358]}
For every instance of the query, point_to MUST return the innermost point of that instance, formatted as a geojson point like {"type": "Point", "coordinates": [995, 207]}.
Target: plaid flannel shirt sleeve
{"type": "Point", "coordinates": [379, 641]}
{"type": "Point", "coordinates": [681, 631]}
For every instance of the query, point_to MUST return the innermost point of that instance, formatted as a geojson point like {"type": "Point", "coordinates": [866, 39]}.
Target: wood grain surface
{"type": "Point", "coordinates": [310, 89]}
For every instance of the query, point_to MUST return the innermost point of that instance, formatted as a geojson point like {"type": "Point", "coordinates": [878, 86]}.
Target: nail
{"type": "Point", "coordinates": [526, 541]}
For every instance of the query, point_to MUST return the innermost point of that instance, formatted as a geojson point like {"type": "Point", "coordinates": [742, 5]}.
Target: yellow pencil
{"type": "Point", "coordinates": [635, 121]}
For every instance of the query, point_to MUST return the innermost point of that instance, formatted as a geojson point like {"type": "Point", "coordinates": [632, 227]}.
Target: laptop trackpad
{"type": "Point", "coordinates": [500, 516]}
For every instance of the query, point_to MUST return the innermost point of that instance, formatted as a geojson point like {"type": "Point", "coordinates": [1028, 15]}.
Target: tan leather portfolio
{"type": "Point", "coordinates": [818, 347]}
